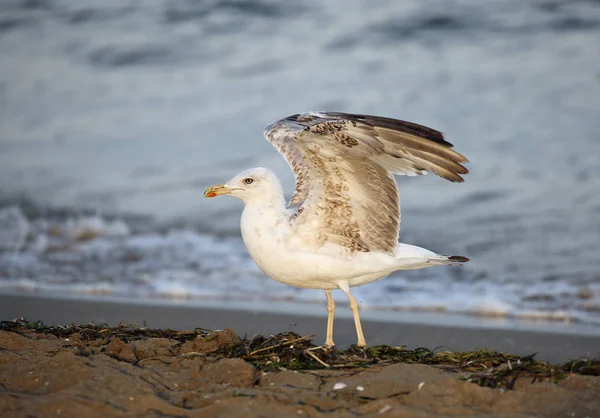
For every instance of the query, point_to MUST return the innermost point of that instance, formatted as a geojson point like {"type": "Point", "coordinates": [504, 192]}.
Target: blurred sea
{"type": "Point", "coordinates": [116, 115]}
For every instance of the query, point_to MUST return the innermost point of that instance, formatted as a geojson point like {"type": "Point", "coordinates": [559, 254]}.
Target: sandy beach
{"type": "Point", "coordinates": [96, 371]}
{"type": "Point", "coordinates": [553, 342]}
{"type": "Point", "coordinates": [165, 360]}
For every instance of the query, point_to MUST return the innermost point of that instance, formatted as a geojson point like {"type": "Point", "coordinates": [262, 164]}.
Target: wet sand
{"type": "Point", "coordinates": [556, 344]}
{"type": "Point", "coordinates": [128, 372]}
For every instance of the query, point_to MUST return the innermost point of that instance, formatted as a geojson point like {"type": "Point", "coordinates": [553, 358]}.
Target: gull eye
{"type": "Point", "coordinates": [248, 180]}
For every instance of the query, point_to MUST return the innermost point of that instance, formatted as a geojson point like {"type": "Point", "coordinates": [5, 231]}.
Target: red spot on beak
{"type": "Point", "coordinates": [211, 194]}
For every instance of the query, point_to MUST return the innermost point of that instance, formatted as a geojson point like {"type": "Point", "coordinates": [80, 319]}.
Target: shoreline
{"type": "Point", "coordinates": [555, 343]}
{"type": "Point", "coordinates": [99, 371]}
{"type": "Point", "coordinates": [316, 309]}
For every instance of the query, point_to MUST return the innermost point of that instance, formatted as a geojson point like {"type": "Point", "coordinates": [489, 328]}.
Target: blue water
{"type": "Point", "coordinates": [115, 116]}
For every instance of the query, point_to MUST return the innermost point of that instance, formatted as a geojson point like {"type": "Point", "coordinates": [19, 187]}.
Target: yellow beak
{"type": "Point", "coordinates": [217, 190]}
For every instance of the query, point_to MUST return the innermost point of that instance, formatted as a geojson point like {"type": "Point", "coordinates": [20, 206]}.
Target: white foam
{"type": "Point", "coordinates": [14, 228]}
{"type": "Point", "coordinates": [183, 264]}
{"type": "Point", "coordinates": [95, 226]}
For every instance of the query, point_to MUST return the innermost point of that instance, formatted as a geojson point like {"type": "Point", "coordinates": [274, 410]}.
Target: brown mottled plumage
{"type": "Point", "coordinates": [343, 165]}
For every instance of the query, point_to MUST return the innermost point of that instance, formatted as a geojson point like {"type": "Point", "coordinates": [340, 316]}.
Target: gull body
{"type": "Point", "coordinates": [268, 233]}
{"type": "Point", "coordinates": [340, 230]}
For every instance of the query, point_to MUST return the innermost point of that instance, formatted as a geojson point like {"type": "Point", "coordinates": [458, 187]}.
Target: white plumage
{"type": "Point", "coordinates": [341, 226]}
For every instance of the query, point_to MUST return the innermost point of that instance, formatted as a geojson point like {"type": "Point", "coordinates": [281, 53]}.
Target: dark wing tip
{"type": "Point", "coordinates": [458, 258]}
{"type": "Point", "coordinates": [397, 125]}
{"type": "Point", "coordinates": [379, 121]}
{"type": "Point", "coordinates": [456, 178]}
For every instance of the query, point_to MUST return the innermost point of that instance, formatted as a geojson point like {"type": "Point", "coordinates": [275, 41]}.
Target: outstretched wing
{"type": "Point", "coordinates": [343, 165]}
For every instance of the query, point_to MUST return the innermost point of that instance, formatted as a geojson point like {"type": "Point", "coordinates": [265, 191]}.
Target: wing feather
{"type": "Point", "coordinates": [343, 164]}
{"type": "Point", "coordinates": [281, 135]}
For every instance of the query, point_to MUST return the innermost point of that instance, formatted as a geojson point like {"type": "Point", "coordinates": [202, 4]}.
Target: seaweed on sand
{"type": "Point", "coordinates": [294, 352]}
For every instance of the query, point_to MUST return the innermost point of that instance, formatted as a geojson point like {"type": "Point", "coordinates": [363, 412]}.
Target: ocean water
{"type": "Point", "coordinates": [116, 115]}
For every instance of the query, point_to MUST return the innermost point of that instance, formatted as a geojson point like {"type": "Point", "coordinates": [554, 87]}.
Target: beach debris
{"type": "Point", "coordinates": [384, 409]}
{"type": "Point", "coordinates": [421, 385]}
{"type": "Point", "coordinates": [229, 380]}
{"type": "Point", "coordinates": [315, 357]}
{"type": "Point", "coordinates": [290, 351]}
{"type": "Point", "coordinates": [282, 344]}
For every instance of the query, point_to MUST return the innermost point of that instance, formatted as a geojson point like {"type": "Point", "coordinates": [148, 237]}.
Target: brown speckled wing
{"type": "Point", "coordinates": [281, 135]}
{"type": "Point", "coordinates": [343, 165]}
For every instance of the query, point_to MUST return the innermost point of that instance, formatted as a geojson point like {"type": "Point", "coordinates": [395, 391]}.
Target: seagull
{"type": "Point", "coordinates": [340, 229]}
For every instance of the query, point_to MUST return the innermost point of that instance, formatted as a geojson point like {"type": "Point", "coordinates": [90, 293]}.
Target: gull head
{"type": "Point", "coordinates": [253, 184]}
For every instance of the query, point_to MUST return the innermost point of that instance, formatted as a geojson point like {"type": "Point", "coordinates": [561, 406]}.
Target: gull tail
{"type": "Point", "coordinates": [457, 258]}
{"type": "Point", "coordinates": [446, 260]}
{"type": "Point", "coordinates": [410, 257]}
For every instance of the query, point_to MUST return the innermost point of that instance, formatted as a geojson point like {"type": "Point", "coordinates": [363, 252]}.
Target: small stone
{"type": "Point", "coordinates": [339, 386]}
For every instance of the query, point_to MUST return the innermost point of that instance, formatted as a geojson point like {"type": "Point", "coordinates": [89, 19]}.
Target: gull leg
{"type": "Point", "coordinates": [354, 306]}
{"type": "Point", "coordinates": [330, 310]}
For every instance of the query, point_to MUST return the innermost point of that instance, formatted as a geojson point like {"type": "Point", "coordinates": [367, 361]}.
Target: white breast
{"type": "Point", "coordinates": [264, 240]}
{"type": "Point", "coordinates": [267, 238]}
